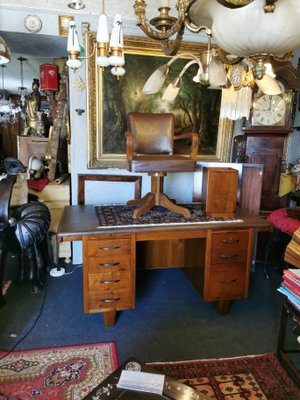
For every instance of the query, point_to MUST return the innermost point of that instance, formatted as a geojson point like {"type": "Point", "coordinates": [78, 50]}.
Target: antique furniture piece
{"type": "Point", "coordinates": [149, 148]}
{"type": "Point", "coordinates": [219, 191]}
{"type": "Point", "coordinates": [172, 389]}
{"type": "Point", "coordinates": [24, 229]}
{"type": "Point", "coordinates": [267, 131]}
{"type": "Point", "coordinates": [56, 196]}
{"type": "Point", "coordinates": [290, 321]}
{"type": "Point", "coordinates": [215, 257]}
{"type": "Point", "coordinates": [83, 178]}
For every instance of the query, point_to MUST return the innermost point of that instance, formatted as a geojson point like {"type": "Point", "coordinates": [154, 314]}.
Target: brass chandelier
{"type": "Point", "coordinates": [254, 32]}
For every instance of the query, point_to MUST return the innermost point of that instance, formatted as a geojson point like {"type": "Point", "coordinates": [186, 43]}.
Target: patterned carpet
{"type": "Point", "coordinates": [258, 377]}
{"type": "Point", "coordinates": [62, 373]}
{"type": "Point", "coordinates": [120, 215]}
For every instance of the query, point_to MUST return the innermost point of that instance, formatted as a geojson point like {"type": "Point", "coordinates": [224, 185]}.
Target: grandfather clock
{"type": "Point", "coordinates": [267, 131]}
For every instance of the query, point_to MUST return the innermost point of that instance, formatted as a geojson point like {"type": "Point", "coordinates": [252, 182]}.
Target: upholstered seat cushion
{"type": "Point", "coordinates": [162, 162]}
{"type": "Point", "coordinates": [280, 220]}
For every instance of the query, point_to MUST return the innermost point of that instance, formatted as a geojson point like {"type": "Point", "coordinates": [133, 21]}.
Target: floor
{"type": "Point", "coordinates": [170, 321]}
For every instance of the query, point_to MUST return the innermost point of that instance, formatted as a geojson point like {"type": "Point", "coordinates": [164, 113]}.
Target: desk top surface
{"type": "Point", "coordinates": [81, 220]}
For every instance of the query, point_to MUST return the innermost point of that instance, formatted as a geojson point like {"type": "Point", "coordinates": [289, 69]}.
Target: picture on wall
{"type": "Point", "coordinates": [196, 108]}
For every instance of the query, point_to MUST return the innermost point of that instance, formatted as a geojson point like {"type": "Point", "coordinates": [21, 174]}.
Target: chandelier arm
{"type": "Point", "coordinates": [144, 24]}
{"type": "Point", "coordinates": [286, 57]}
{"type": "Point", "coordinates": [225, 60]}
{"type": "Point", "coordinates": [171, 47]}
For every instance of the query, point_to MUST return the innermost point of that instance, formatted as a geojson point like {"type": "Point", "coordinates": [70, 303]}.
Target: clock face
{"type": "Point", "coordinates": [269, 110]}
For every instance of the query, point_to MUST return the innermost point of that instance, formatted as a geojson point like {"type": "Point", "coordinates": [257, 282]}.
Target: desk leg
{"type": "Point", "coordinates": [223, 307]}
{"type": "Point", "coordinates": [109, 318]}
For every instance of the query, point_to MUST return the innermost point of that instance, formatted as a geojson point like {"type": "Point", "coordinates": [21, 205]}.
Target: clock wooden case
{"type": "Point", "coordinates": [266, 132]}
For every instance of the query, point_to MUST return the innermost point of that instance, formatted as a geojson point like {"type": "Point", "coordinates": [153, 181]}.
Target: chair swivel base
{"type": "Point", "coordinates": [151, 200]}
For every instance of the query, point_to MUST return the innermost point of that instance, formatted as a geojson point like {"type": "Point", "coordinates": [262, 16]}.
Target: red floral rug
{"type": "Point", "coordinates": [253, 378]}
{"type": "Point", "coordinates": [62, 373]}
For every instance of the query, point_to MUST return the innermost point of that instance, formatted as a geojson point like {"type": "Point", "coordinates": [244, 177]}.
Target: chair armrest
{"type": "Point", "coordinates": [194, 144]}
{"type": "Point", "coordinates": [129, 145]}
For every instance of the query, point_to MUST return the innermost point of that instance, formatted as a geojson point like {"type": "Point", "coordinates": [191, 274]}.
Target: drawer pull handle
{"type": "Point", "coordinates": [228, 282]}
{"type": "Point", "coordinates": [106, 282]}
{"type": "Point", "coordinates": [230, 240]}
{"type": "Point", "coordinates": [110, 300]}
{"type": "Point", "coordinates": [107, 265]}
{"type": "Point", "coordinates": [229, 256]}
{"type": "Point", "coordinates": [109, 248]}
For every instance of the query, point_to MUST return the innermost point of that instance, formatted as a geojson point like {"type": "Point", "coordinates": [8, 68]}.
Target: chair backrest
{"type": "Point", "coordinates": [152, 133]}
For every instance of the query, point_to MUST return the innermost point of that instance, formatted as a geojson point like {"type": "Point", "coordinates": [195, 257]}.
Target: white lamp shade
{"type": "Point", "coordinates": [116, 39]}
{"type": "Point", "coordinates": [73, 41]}
{"type": "Point", "coordinates": [171, 92]}
{"type": "Point", "coordinates": [4, 52]}
{"type": "Point", "coordinates": [216, 73]}
{"type": "Point", "coordinates": [102, 32]}
{"type": "Point", "coordinates": [102, 61]}
{"type": "Point", "coordinates": [268, 85]}
{"type": "Point", "coordinates": [248, 30]}
{"type": "Point", "coordinates": [73, 63]}
{"type": "Point", "coordinates": [116, 61]}
{"type": "Point", "coordinates": [236, 104]}
{"type": "Point", "coordinates": [156, 80]}
{"type": "Point", "coordinates": [118, 71]}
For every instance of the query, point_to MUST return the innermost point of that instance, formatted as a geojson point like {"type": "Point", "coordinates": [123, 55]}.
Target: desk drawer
{"type": "Point", "coordinates": [109, 281]}
{"type": "Point", "coordinates": [107, 301]}
{"type": "Point", "coordinates": [230, 240]}
{"type": "Point", "coordinates": [109, 263]}
{"type": "Point", "coordinates": [229, 255]}
{"type": "Point", "coordinates": [109, 248]}
{"type": "Point", "coordinates": [227, 284]}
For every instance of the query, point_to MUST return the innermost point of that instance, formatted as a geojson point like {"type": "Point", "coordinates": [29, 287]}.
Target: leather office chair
{"type": "Point", "coordinates": [149, 148]}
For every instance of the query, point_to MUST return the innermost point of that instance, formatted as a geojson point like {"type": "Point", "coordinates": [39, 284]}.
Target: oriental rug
{"type": "Point", "coordinates": [258, 377]}
{"type": "Point", "coordinates": [121, 215]}
{"type": "Point", "coordinates": [62, 373]}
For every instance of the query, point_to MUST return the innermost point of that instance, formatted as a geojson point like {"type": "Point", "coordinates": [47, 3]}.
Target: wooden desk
{"type": "Point", "coordinates": [215, 257]}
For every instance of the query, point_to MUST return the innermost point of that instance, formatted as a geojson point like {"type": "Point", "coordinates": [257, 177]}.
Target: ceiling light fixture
{"type": "Point", "coordinates": [253, 30]}
{"type": "Point", "coordinates": [76, 5]}
{"type": "Point", "coordinates": [22, 90]}
{"type": "Point", "coordinates": [4, 52]}
{"type": "Point", "coordinates": [109, 51]}
{"type": "Point", "coordinates": [8, 109]}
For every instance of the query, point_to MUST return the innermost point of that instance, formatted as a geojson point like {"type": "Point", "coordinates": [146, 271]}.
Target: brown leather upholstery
{"type": "Point", "coordinates": [149, 148]}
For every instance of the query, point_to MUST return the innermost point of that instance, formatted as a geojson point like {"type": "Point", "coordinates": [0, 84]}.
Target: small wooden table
{"type": "Point", "coordinates": [215, 257]}
{"type": "Point", "coordinates": [173, 390]}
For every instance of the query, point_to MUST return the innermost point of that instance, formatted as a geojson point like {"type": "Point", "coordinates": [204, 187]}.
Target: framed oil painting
{"type": "Point", "coordinates": [196, 108]}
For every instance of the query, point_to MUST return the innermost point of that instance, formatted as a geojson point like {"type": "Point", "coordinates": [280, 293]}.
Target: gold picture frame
{"type": "Point", "coordinates": [109, 100]}
{"type": "Point", "coordinates": [63, 24]}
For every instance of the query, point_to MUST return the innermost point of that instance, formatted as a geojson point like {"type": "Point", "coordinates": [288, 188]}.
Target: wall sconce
{"type": "Point", "coordinates": [109, 51]}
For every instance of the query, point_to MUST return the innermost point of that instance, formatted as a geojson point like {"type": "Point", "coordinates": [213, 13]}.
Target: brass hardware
{"type": "Point", "coordinates": [107, 265]}
{"type": "Point", "coordinates": [110, 300]}
{"type": "Point", "coordinates": [230, 240]}
{"type": "Point", "coordinates": [107, 282]}
{"type": "Point", "coordinates": [226, 256]}
{"type": "Point", "coordinates": [229, 281]}
{"type": "Point", "coordinates": [109, 248]}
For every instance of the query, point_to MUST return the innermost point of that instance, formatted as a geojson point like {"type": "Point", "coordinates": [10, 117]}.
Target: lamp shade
{"type": "Point", "coordinates": [116, 39]}
{"type": "Point", "coordinates": [4, 52]}
{"type": "Point", "coordinates": [268, 85]}
{"type": "Point", "coordinates": [249, 30]}
{"type": "Point", "coordinates": [156, 80]}
{"type": "Point", "coordinates": [73, 41]}
{"type": "Point", "coordinates": [102, 32]}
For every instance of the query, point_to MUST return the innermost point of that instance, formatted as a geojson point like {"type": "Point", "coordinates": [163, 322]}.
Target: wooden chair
{"type": "Point", "coordinates": [150, 148]}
